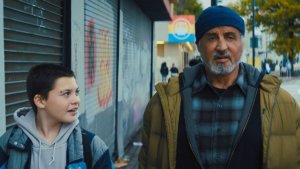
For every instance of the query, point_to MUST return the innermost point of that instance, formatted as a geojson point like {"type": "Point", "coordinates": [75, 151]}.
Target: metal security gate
{"type": "Point", "coordinates": [33, 34]}
{"type": "Point", "coordinates": [101, 33]}
{"type": "Point", "coordinates": [134, 72]}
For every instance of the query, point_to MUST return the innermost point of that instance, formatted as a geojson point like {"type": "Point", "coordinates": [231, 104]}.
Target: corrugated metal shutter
{"type": "Point", "coordinates": [135, 69]}
{"type": "Point", "coordinates": [101, 23]}
{"type": "Point", "coordinates": [33, 31]}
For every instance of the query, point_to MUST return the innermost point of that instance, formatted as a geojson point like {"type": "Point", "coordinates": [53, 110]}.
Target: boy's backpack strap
{"type": "Point", "coordinates": [87, 138]}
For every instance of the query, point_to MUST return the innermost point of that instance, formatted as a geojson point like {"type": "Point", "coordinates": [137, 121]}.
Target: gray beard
{"type": "Point", "coordinates": [221, 69]}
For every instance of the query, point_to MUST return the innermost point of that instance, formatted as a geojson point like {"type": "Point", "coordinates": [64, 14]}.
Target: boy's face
{"type": "Point", "coordinates": [62, 102]}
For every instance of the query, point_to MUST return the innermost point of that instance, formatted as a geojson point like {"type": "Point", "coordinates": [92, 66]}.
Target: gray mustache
{"type": "Point", "coordinates": [226, 54]}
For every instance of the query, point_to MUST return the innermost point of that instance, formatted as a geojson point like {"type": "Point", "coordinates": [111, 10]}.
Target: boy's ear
{"type": "Point", "coordinates": [39, 101]}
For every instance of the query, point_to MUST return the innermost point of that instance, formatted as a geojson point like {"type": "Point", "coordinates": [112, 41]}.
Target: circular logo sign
{"type": "Point", "coordinates": [181, 27]}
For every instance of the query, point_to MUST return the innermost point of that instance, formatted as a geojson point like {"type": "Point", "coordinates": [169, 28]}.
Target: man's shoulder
{"type": "Point", "coordinates": [270, 83]}
{"type": "Point", "coordinates": [170, 88]}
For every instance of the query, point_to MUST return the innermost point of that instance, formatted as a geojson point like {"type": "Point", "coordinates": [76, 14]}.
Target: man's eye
{"type": "Point", "coordinates": [211, 38]}
{"type": "Point", "coordinates": [231, 36]}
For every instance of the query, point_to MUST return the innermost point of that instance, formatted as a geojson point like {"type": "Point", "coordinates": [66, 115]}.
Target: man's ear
{"type": "Point", "coordinates": [39, 101]}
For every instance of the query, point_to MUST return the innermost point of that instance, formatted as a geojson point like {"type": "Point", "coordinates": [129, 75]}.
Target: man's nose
{"type": "Point", "coordinates": [222, 45]}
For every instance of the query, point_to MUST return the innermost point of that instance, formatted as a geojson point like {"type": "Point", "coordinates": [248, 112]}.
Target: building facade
{"type": "Point", "coordinates": [107, 43]}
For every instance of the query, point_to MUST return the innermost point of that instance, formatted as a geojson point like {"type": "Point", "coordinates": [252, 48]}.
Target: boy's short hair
{"type": "Point", "coordinates": [41, 79]}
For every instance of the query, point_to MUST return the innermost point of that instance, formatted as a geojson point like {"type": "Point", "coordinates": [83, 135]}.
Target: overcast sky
{"type": "Point", "coordinates": [207, 3]}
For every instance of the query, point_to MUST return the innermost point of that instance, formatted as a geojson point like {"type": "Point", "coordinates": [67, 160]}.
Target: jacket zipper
{"type": "Point", "coordinates": [241, 133]}
{"type": "Point", "coordinates": [199, 162]}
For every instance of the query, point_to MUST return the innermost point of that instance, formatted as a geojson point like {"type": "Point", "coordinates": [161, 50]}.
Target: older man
{"type": "Point", "coordinates": [222, 113]}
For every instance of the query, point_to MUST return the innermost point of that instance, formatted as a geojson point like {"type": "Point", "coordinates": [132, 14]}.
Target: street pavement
{"type": "Point", "coordinates": [292, 85]}
{"type": "Point", "coordinates": [130, 158]}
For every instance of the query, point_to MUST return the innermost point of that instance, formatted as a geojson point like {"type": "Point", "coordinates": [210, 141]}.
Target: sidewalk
{"type": "Point", "coordinates": [285, 79]}
{"type": "Point", "coordinates": [130, 160]}
{"type": "Point", "coordinates": [291, 85]}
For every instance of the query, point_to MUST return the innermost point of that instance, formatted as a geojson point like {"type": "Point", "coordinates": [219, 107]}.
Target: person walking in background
{"type": "Point", "coordinates": [164, 71]}
{"type": "Point", "coordinates": [222, 113]}
{"type": "Point", "coordinates": [48, 135]}
{"type": "Point", "coordinates": [174, 70]}
{"type": "Point", "coordinates": [268, 68]}
{"type": "Point", "coordinates": [289, 69]}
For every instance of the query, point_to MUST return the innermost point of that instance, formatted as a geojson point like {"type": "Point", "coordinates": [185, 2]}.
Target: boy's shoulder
{"type": "Point", "coordinates": [93, 146]}
{"type": "Point", "coordinates": [91, 139]}
{"type": "Point", "coordinates": [87, 135]}
{"type": "Point", "coordinates": [5, 137]}
{"type": "Point", "coordinates": [15, 138]}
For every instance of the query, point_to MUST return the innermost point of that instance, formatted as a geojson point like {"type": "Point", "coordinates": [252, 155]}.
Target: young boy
{"type": "Point", "coordinates": [48, 135]}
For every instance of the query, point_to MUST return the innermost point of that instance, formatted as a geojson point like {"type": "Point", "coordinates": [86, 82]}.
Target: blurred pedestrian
{"type": "Point", "coordinates": [164, 71]}
{"type": "Point", "coordinates": [289, 69]}
{"type": "Point", "coordinates": [222, 113]}
{"type": "Point", "coordinates": [268, 68]}
{"type": "Point", "coordinates": [174, 70]}
{"type": "Point", "coordinates": [48, 134]}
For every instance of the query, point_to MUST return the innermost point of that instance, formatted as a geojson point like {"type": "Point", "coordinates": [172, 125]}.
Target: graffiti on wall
{"type": "Point", "coordinates": [98, 65]}
{"type": "Point", "coordinates": [104, 90]}
{"type": "Point", "coordinates": [100, 99]}
{"type": "Point", "coordinates": [90, 54]}
{"type": "Point", "coordinates": [38, 12]}
{"type": "Point", "coordinates": [135, 73]}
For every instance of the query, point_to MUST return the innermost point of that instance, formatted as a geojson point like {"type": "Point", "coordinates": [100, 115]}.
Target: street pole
{"type": "Point", "coordinates": [213, 2]}
{"type": "Point", "coordinates": [253, 33]}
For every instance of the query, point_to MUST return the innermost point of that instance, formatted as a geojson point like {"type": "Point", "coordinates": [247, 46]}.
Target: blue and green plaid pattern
{"type": "Point", "coordinates": [217, 114]}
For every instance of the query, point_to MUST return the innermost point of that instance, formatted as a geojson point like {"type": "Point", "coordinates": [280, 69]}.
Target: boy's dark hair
{"type": "Point", "coordinates": [41, 78]}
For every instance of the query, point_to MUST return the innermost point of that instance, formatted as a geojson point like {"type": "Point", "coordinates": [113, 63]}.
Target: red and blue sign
{"type": "Point", "coordinates": [181, 29]}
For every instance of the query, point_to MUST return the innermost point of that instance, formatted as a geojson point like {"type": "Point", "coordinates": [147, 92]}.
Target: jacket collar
{"type": "Point", "coordinates": [171, 88]}
{"type": "Point", "coordinates": [75, 147]}
{"type": "Point", "coordinates": [270, 83]}
{"type": "Point", "coordinates": [250, 74]}
{"type": "Point", "coordinates": [201, 80]}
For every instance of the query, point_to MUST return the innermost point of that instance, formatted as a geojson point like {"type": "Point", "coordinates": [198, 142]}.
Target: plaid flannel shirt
{"type": "Point", "coordinates": [217, 113]}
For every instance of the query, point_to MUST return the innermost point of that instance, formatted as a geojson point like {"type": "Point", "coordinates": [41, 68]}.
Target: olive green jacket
{"type": "Point", "coordinates": [280, 128]}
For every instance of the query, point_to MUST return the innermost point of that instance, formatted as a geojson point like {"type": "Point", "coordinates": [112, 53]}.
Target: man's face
{"type": "Point", "coordinates": [62, 102]}
{"type": "Point", "coordinates": [221, 49]}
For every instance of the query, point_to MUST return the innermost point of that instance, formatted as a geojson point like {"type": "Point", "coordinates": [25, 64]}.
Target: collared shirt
{"type": "Point", "coordinates": [217, 113]}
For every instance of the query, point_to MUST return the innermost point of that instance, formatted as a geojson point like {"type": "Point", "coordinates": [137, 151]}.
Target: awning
{"type": "Point", "coordinates": [157, 10]}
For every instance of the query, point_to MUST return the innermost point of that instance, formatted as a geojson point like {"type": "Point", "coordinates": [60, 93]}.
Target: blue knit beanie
{"type": "Point", "coordinates": [216, 16]}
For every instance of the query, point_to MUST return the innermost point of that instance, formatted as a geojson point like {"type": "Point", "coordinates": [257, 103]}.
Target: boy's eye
{"type": "Point", "coordinates": [77, 92]}
{"type": "Point", "coordinates": [66, 93]}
